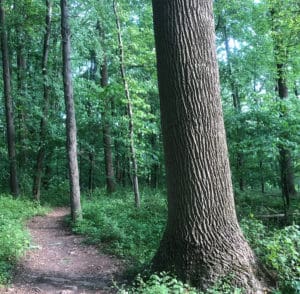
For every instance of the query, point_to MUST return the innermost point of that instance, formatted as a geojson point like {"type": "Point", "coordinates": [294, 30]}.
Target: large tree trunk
{"type": "Point", "coordinates": [202, 241]}
{"type": "Point", "coordinates": [10, 127]}
{"type": "Point", "coordinates": [43, 122]}
{"type": "Point", "coordinates": [133, 160]}
{"type": "Point", "coordinates": [70, 111]}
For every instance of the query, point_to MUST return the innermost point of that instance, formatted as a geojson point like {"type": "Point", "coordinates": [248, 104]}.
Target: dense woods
{"type": "Point", "coordinates": [187, 117]}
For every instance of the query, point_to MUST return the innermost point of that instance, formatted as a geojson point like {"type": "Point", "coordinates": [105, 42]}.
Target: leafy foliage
{"type": "Point", "coordinates": [279, 249]}
{"type": "Point", "coordinates": [14, 239]}
{"type": "Point", "coordinates": [134, 235]}
{"type": "Point", "coordinates": [127, 232]}
{"type": "Point", "coordinates": [161, 283]}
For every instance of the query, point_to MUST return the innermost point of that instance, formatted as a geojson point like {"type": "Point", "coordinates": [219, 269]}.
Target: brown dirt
{"type": "Point", "coordinates": [59, 262]}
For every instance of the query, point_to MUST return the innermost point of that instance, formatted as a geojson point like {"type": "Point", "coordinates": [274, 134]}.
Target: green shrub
{"type": "Point", "coordinates": [161, 283]}
{"type": "Point", "coordinates": [279, 249]}
{"type": "Point", "coordinates": [126, 231]}
{"type": "Point", "coordinates": [282, 253]}
{"type": "Point", "coordinates": [164, 283]}
{"type": "Point", "coordinates": [14, 239]}
{"type": "Point", "coordinates": [57, 195]}
{"type": "Point", "coordinates": [5, 272]}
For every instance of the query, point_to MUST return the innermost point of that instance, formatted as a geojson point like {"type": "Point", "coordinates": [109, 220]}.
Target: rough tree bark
{"type": "Point", "coordinates": [9, 112]}
{"type": "Point", "coordinates": [71, 131]}
{"type": "Point", "coordinates": [129, 109]}
{"type": "Point", "coordinates": [202, 241]}
{"type": "Point", "coordinates": [43, 122]}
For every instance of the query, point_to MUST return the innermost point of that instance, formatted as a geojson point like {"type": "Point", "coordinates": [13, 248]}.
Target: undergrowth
{"type": "Point", "coordinates": [134, 235]}
{"type": "Point", "coordinates": [14, 239]}
{"type": "Point", "coordinates": [128, 232]}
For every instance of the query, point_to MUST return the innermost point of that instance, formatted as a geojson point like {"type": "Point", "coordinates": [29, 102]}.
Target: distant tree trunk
{"type": "Point", "coordinates": [9, 112]}
{"type": "Point", "coordinates": [118, 162]}
{"type": "Point", "coordinates": [129, 109]}
{"type": "Point", "coordinates": [262, 178]}
{"type": "Point", "coordinates": [108, 155]}
{"type": "Point", "coordinates": [43, 122]}
{"type": "Point", "coordinates": [285, 160]}
{"type": "Point", "coordinates": [91, 171]}
{"type": "Point", "coordinates": [237, 107]}
{"type": "Point", "coordinates": [20, 101]}
{"type": "Point", "coordinates": [91, 152]}
{"type": "Point", "coordinates": [155, 165]}
{"type": "Point", "coordinates": [106, 124]}
{"type": "Point", "coordinates": [76, 212]}
{"type": "Point", "coordinates": [286, 165]}
{"type": "Point", "coordinates": [202, 242]}
{"type": "Point", "coordinates": [296, 90]}
{"type": "Point", "coordinates": [22, 128]}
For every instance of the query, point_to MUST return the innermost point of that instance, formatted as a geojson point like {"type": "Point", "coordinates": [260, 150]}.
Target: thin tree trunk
{"type": "Point", "coordinates": [91, 153]}
{"type": "Point", "coordinates": [237, 107]}
{"type": "Point", "coordinates": [154, 170]}
{"type": "Point", "coordinates": [202, 242]}
{"type": "Point", "coordinates": [91, 171]}
{"type": "Point", "coordinates": [106, 125]}
{"type": "Point", "coordinates": [296, 90]}
{"type": "Point", "coordinates": [43, 122]}
{"type": "Point", "coordinates": [286, 165]}
{"type": "Point", "coordinates": [285, 159]}
{"type": "Point", "coordinates": [129, 109]}
{"type": "Point", "coordinates": [71, 131]}
{"type": "Point", "coordinates": [108, 156]}
{"type": "Point", "coordinates": [262, 178]}
{"type": "Point", "coordinates": [9, 112]}
{"type": "Point", "coordinates": [22, 130]}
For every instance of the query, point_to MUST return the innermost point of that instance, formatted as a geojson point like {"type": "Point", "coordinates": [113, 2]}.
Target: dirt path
{"type": "Point", "coordinates": [60, 263]}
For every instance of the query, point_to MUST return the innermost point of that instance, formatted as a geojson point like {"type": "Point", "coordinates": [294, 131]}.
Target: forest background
{"type": "Point", "coordinates": [115, 88]}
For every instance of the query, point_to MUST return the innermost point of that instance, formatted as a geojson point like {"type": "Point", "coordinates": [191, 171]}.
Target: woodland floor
{"type": "Point", "coordinates": [59, 262]}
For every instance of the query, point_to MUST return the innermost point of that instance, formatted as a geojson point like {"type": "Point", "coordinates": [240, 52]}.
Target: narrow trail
{"type": "Point", "coordinates": [59, 263]}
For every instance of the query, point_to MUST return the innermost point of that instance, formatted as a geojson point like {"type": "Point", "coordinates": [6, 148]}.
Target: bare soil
{"type": "Point", "coordinates": [59, 262]}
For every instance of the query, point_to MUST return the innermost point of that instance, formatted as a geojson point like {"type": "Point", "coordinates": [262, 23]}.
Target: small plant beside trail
{"type": "Point", "coordinates": [130, 233]}
{"type": "Point", "coordinates": [14, 238]}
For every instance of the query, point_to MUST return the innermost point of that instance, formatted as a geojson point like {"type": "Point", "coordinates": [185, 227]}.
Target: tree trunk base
{"type": "Point", "coordinates": [202, 266]}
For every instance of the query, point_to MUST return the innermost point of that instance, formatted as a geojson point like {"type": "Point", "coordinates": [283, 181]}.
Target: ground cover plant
{"type": "Point", "coordinates": [134, 235]}
{"type": "Point", "coordinates": [14, 238]}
